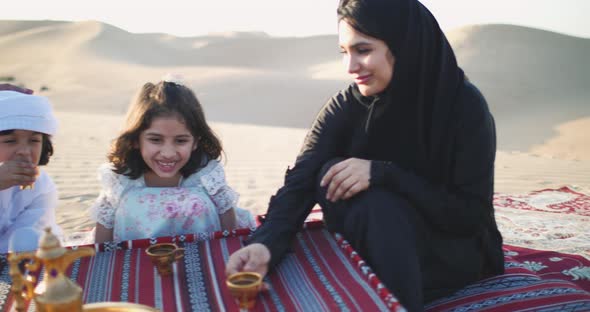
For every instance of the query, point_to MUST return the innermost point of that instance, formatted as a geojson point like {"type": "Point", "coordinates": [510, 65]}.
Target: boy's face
{"type": "Point", "coordinates": [24, 145]}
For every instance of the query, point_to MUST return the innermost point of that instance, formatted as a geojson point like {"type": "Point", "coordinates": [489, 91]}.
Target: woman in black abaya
{"type": "Point", "coordinates": [401, 161]}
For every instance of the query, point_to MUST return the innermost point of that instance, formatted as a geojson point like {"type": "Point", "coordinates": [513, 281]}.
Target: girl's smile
{"type": "Point", "coordinates": [166, 166]}
{"type": "Point", "coordinates": [166, 146]}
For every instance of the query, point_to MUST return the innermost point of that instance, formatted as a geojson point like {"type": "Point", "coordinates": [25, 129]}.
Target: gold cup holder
{"type": "Point", "coordinates": [244, 287]}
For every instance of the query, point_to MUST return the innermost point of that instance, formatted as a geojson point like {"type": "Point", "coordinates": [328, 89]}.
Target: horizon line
{"type": "Point", "coordinates": [265, 33]}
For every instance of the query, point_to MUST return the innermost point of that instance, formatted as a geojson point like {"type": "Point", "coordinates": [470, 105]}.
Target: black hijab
{"type": "Point", "coordinates": [411, 122]}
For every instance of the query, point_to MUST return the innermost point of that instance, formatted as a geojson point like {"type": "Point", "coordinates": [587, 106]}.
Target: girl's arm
{"type": "Point", "coordinates": [103, 213]}
{"type": "Point", "coordinates": [103, 234]}
{"type": "Point", "coordinates": [222, 195]}
{"type": "Point", "coordinates": [103, 209]}
{"type": "Point", "coordinates": [228, 219]}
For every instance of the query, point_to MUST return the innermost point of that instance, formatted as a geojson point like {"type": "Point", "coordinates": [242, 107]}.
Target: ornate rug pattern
{"type": "Point", "coordinates": [551, 219]}
{"type": "Point", "coordinates": [547, 256]}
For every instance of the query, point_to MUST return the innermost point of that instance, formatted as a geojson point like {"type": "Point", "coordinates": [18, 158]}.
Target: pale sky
{"type": "Point", "coordinates": [289, 18]}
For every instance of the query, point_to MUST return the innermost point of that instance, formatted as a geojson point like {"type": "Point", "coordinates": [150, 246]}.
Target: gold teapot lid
{"type": "Point", "coordinates": [49, 246]}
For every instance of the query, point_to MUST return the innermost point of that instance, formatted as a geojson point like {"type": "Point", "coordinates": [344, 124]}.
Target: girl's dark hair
{"type": "Point", "coordinates": [46, 147]}
{"type": "Point", "coordinates": [163, 99]}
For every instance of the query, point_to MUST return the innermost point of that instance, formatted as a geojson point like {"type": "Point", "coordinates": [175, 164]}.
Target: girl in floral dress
{"type": "Point", "coordinates": [163, 177]}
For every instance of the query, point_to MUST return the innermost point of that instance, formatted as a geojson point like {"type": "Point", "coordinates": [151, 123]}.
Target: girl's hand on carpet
{"type": "Point", "coordinates": [347, 178]}
{"type": "Point", "coordinates": [252, 258]}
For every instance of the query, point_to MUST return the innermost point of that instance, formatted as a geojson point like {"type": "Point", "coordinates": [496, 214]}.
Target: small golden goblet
{"type": "Point", "coordinates": [244, 287]}
{"type": "Point", "coordinates": [163, 255]}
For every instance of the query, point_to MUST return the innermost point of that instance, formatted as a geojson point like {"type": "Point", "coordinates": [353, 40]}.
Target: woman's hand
{"type": "Point", "coordinates": [17, 172]}
{"type": "Point", "coordinates": [252, 258]}
{"type": "Point", "coordinates": [347, 178]}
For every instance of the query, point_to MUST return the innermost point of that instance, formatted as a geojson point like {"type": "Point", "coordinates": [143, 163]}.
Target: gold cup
{"type": "Point", "coordinates": [27, 187]}
{"type": "Point", "coordinates": [244, 287]}
{"type": "Point", "coordinates": [163, 255]}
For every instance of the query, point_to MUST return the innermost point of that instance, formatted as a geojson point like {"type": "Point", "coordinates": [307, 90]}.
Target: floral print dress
{"type": "Point", "coordinates": [134, 210]}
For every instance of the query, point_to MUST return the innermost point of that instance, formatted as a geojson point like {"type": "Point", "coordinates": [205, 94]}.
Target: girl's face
{"type": "Point", "coordinates": [24, 145]}
{"type": "Point", "coordinates": [166, 146]}
{"type": "Point", "coordinates": [368, 60]}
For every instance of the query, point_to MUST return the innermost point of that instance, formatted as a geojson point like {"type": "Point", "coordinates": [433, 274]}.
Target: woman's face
{"type": "Point", "coordinates": [368, 60]}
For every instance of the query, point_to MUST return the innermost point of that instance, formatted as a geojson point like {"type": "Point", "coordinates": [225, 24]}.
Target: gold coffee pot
{"type": "Point", "coordinates": [56, 292]}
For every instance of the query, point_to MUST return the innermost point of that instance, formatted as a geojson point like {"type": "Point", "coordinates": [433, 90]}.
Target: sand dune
{"type": "Point", "coordinates": [234, 49]}
{"type": "Point", "coordinates": [99, 64]}
{"type": "Point", "coordinates": [262, 93]}
{"type": "Point", "coordinates": [13, 27]}
{"type": "Point", "coordinates": [571, 142]}
{"type": "Point", "coordinates": [534, 80]}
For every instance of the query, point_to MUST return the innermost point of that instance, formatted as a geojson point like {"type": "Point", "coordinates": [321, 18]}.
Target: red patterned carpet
{"type": "Point", "coordinates": [547, 253]}
{"type": "Point", "coordinates": [534, 281]}
{"type": "Point", "coordinates": [547, 256]}
{"type": "Point", "coordinates": [321, 274]}
{"type": "Point", "coordinates": [547, 260]}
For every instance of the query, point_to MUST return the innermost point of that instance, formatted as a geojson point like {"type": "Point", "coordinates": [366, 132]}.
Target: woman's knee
{"type": "Point", "coordinates": [379, 205]}
{"type": "Point", "coordinates": [381, 198]}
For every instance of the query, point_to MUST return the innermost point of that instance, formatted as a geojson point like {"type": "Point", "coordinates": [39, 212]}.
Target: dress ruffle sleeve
{"type": "Point", "coordinates": [112, 184]}
{"type": "Point", "coordinates": [221, 194]}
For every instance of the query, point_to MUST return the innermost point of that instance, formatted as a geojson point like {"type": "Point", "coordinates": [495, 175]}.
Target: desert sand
{"type": "Point", "coordinates": [261, 94]}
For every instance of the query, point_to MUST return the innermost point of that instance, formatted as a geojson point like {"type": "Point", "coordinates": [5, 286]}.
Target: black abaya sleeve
{"type": "Point", "coordinates": [465, 202]}
{"type": "Point", "coordinates": [289, 207]}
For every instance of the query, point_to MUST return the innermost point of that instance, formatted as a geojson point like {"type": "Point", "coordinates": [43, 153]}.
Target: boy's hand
{"type": "Point", "coordinates": [17, 172]}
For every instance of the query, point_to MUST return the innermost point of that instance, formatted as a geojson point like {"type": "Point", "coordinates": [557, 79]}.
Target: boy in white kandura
{"type": "Point", "coordinates": [28, 196]}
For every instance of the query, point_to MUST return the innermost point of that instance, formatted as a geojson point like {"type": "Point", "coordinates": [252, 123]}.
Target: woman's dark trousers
{"type": "Point", "coordinates": [383, 228]}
